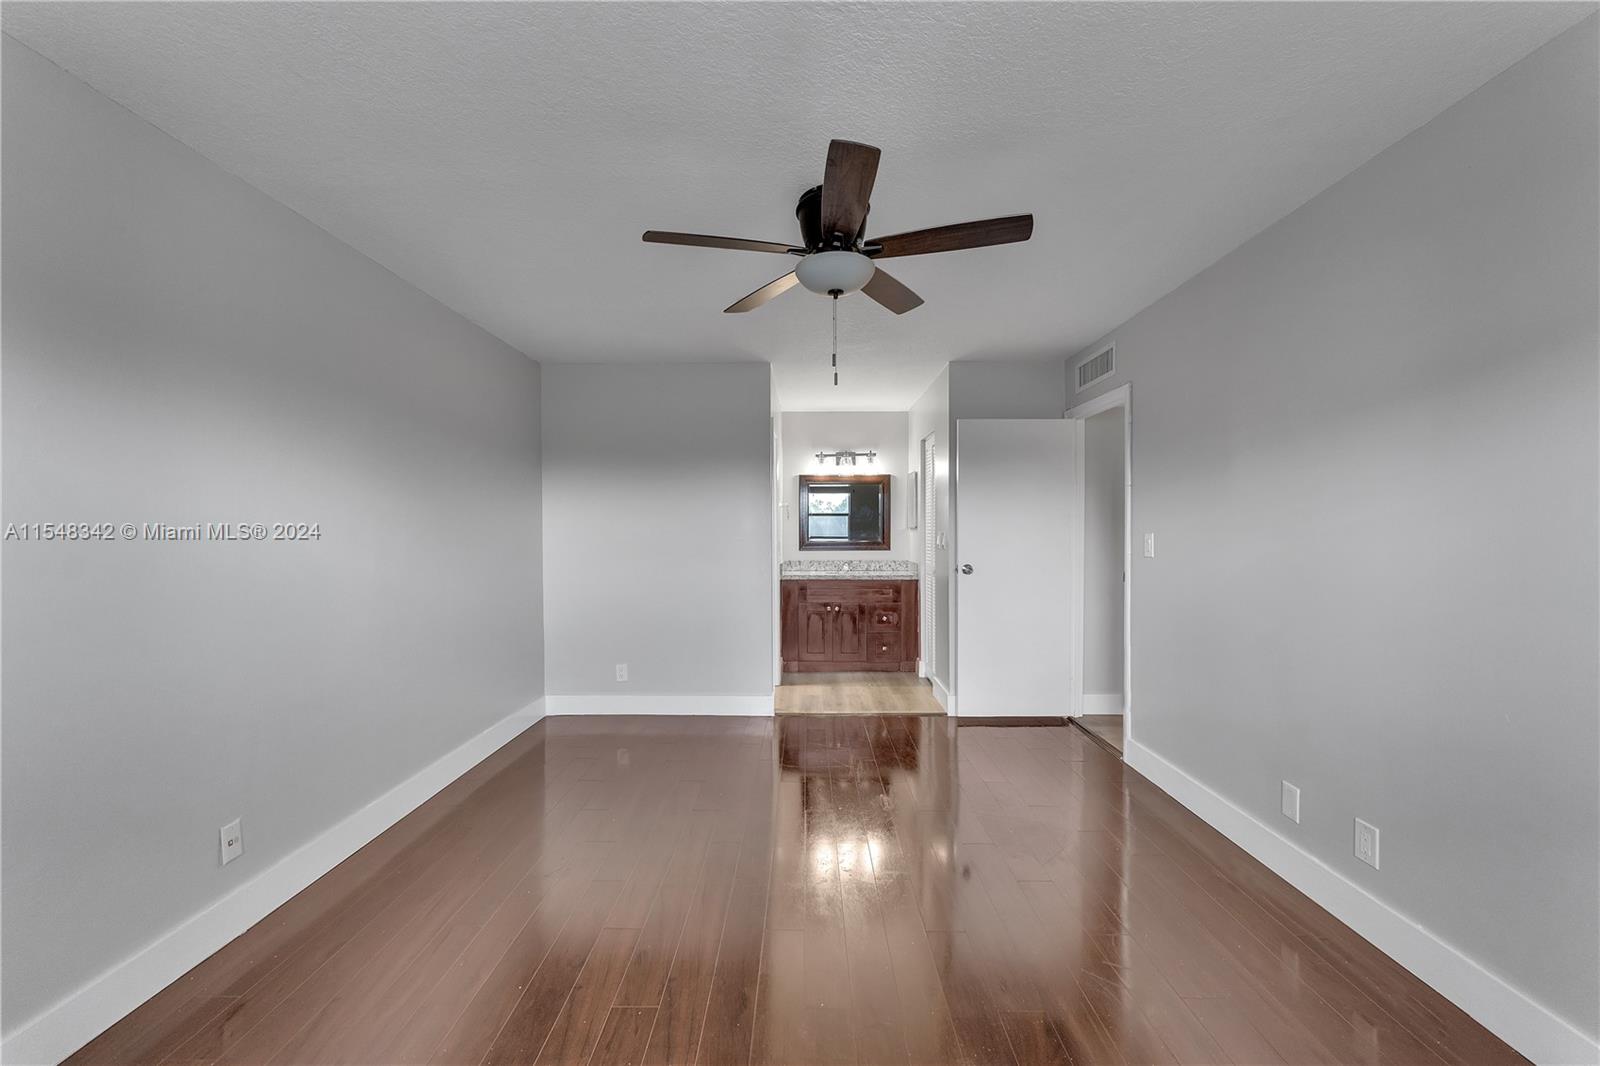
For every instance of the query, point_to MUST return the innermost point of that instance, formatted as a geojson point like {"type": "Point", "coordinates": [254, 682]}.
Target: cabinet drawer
{"type": "Point", "coordinates": [850, 592]}
{"type": "Point", "coordinates": [883, 619]}
{"type": "Point", "coordinates": [883, 647]}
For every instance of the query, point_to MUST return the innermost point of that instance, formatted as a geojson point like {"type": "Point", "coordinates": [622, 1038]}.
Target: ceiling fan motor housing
{"type": "Point", "coordinates": [809, 214]}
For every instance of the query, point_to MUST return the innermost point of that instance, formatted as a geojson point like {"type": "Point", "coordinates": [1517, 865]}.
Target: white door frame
{"type": "Point", "coordinates": [777, 512]}
{"type": "Point", "coordinates": [1121, 396]}
{"type": "Point", "coordinates": [927, 641]}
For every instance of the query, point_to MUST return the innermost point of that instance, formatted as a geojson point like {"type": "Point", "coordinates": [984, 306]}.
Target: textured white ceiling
{"type": "Point", "coordinates": [505, 157]}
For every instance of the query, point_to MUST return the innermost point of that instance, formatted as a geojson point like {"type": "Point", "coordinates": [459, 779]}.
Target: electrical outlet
{"type": "Point", "coordinates": [622, 671]}
{"type": "Point", "coordinates": [1149, 545]}
{"type": "Point", "coordinates": [1291, 803]}
{"type": "Point", "coordinates": [232, 841]}
{"type": "Point", "coordinates": [1367, 843]}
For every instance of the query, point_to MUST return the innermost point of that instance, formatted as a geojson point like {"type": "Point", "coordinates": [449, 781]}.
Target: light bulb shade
{"type": "Point", "coordinates": [826, 272]}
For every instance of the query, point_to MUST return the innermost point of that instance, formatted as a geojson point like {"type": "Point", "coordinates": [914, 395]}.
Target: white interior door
{"type": "Point", "coordinates": [1016, 497]}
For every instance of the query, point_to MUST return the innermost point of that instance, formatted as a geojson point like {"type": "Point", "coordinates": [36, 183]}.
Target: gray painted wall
{"type": "Point", "coordinates": [180, 348]}
{"type": "Point", "coordinates": [658, 532]}
{"type": "Point", "coordinates": [885, 432]}
{"type": "Point", "coordinates": [1020, 388]}
{"type": "Point", "coordinates": [1103, 503]}
{"type": "Point", "coordinates": [1367, 443]}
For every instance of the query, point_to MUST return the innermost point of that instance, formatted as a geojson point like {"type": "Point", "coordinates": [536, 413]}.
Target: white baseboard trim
{"type": "Point", "coordinates": [81, 1016]}
{"type": "Point", "coordinates": [941, 694]}
{"type": "Point", "coordinates": [692, 703]}
{"type": "Point", "coordinates": [1509, 1013]}
{"type": "Point", "coordinates": [1102, 703]}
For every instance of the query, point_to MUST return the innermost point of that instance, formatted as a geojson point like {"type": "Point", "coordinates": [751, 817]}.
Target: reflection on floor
{"type": "Point", "coordinates": [799, 890]}
{"type": "Point", "coordinates": [1106, 728]}
{"type": "Point", "coordinates": [858, 693]}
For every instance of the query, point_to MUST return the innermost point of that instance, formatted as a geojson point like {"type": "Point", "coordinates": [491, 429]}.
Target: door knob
{"type": "Point", "coordinates": [966, 568]}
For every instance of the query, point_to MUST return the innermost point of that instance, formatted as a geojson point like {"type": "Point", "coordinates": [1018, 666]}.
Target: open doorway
{"type": "Point", "coordinates": [849, 565]}
{"type": "Point", "coordinates": [1103, 697]}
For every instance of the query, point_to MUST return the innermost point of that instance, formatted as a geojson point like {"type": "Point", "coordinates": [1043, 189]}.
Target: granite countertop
{"type": "Point", "coordinates": [849, 569]}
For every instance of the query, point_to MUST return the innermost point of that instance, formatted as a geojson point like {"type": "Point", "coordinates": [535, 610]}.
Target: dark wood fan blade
{"type": "Point", "coordinates": [702, 240]}
{"type": "Point", "coordinates": [978, 234]}
{"type": "Point", "coordinates": [847, 187]}
{"type": "Point", "coordinates": [890, 293]}
{"type": "Point", "coordinates": [763, 294]}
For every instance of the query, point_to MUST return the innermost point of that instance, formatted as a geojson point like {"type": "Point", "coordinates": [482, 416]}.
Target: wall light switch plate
{"type": "Point", "coordinates": [622, 671]}
{"type": "Point", "coordinates": [1367, 843]}
{"type": "Point", "coordinates": [232, 841]}
{"type": "Point", "coordinates": [1291, 803]}
{"type": "Point", "coordinates": [1149, 545]}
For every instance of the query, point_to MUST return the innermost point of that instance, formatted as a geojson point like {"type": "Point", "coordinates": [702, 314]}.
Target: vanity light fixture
{"type": "Point", "coordinates": [846, 458]}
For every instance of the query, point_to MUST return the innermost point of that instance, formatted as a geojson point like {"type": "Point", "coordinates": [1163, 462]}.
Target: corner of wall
{"type": "Point", "coordinates": [83, 1014]}
{"type": "Point", "coordinates": [1505, 1010]}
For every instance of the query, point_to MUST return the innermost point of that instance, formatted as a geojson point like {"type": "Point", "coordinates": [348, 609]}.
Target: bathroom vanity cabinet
{"type": "Point", "coordinates": [849, 624]}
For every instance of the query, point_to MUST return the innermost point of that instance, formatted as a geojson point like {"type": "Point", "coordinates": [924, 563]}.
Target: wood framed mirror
{"type": "Point", "coordinates": [844, 512]}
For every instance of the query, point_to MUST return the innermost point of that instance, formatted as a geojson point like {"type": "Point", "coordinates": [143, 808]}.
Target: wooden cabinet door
{"type": "Point", "coordinates": [850, 633]}
{"type": "Point", "coordinates": [814, 643]}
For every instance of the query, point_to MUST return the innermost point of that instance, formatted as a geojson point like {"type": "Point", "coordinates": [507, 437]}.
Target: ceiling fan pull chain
{"type": "Point", "coordinates": [836, 340]}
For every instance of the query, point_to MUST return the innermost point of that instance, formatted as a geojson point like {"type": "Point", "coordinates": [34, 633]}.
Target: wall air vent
{"type": "Point", "coordinates": [1096, 368]}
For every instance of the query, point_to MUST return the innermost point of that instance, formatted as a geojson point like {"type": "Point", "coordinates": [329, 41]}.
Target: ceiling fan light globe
{"type": "Point", "coordinates": [829, 272]}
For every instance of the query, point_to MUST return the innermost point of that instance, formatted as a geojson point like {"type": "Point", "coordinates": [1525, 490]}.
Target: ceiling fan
{"type": "Point", "coordinates": [835, 260]}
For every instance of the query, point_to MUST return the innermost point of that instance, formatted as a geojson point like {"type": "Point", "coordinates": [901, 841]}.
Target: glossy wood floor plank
{"type": "Point", "coordinates": [727, 1036]}
{"type": "Point", "coordinates": [866, 889]}
{"type": "Point", "coordinates": [623, 1039]}
{"type": "Point", "coordinates": [676, 1037]}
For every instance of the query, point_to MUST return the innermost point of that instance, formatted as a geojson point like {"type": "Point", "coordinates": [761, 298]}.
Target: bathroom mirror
{"type": "Point", "coordinates": [844, 512]}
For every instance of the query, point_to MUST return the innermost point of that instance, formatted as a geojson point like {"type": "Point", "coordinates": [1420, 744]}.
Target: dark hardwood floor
{"type": "Point", "coordinates": [799, 890]}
